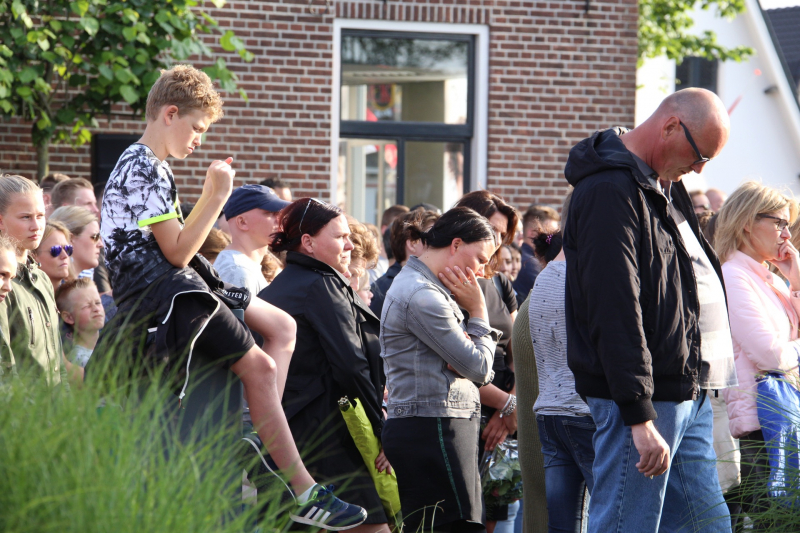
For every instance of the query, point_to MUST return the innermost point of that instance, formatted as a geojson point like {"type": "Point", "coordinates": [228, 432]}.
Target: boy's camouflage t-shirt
{"type": "Point", "coordinates": [140, 192]}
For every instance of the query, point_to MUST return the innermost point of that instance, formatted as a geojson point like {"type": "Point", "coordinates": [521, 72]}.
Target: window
{"type": "Point", "coordinates": [696, 72]}
{"type": "Point", "coordinates": [407, 118]}
{"type": "Point", "coordinates": [106, 149]}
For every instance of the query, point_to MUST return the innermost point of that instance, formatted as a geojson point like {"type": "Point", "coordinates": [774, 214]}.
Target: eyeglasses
{"type": "Point", "coordinates": [705, 207]}
{"type": "Point", "coordinates": [55, 251]}
{"type": "Point", "coordinates": [95, 237]}
{"type": "Point", "coordinates": [700, 158]}
{"type": "Point", "coordinates": [780, 224]}
{"type": "Point", "coordinates": [300, 226]}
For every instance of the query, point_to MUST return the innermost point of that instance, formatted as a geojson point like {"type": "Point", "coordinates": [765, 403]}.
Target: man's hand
{"type": "Point", "coordinates": [219, 177]}
{"type": "Point", "coordinates": [653, 450]}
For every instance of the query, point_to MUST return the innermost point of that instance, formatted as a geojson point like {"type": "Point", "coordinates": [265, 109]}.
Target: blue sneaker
{"type": "Point", "coordinates": [326, 511]}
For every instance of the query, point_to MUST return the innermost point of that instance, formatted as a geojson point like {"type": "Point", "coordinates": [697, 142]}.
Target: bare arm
{"type": "Point", "coordinates": [179, 245]}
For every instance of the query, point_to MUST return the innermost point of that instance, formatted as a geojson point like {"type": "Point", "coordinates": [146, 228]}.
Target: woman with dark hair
{"type": "Point", "coordinates": [433, 360]}
{"type": "Point", "coordinates": [501, 304]}
{"type": "Point", "coordinates": [337, 352]}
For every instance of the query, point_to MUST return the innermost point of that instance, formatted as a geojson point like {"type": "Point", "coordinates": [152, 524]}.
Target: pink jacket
{"type": "Point", "coordinates": [764, 330]}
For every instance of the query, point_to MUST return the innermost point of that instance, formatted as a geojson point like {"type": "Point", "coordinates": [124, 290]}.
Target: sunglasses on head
{"type": "Point", "coordinates": [300, 226]}
{"type": "Point", "coordinates": [55, 251]}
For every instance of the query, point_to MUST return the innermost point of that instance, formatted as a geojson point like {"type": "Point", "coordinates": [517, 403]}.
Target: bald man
{"type": "Point", "coordinates": [647, 323]}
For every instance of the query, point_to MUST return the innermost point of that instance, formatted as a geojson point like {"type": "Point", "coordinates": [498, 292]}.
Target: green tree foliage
{"type": "Point", "coordinates": [63, 63]}
{"type": "Point", "coordinates": [664, 29]}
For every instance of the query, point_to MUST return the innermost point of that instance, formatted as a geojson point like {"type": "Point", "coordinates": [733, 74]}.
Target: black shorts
{"type": "Point", "coordinates": [177, 320]}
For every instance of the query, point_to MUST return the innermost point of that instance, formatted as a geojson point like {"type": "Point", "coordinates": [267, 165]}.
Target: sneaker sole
{"type": "Point", "coordinates": [302, 520]}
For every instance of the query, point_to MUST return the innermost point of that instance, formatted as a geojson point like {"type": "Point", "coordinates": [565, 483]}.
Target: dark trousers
{"type": "Point", "coordinates": [754, 490]}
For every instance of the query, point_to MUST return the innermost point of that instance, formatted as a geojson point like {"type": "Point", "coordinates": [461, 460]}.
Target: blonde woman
{"type": "Point", "coordinates": [86, 241]}
{"type": "Point", "coordinates": [752, 234]}
{"type": "Point", "coordinates": [30, 308]}
{"type": "Point", "coordinates": [54, 252]}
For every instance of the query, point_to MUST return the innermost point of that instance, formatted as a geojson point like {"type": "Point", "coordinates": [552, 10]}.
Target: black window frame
{"type": "Point", "coordinates": [405, 131]}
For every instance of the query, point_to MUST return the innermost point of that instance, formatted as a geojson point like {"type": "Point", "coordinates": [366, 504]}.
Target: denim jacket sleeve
{"type": "Point", "coordinates": [433, 320]}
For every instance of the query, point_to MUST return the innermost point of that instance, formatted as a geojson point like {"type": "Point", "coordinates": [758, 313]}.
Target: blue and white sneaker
{"type": "Point", "coordinates": [326, 511]}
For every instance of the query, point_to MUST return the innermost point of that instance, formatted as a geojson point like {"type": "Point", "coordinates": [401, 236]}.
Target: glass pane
{"type": "Point", "coordinates": [367, 182]}
{"type": "Point", "coordinates": [415, 80]}
{"type": "Point", "coordinates": [434, 173]}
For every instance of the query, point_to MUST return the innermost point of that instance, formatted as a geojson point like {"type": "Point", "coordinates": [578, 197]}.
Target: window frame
{"type": "Point", "coordinates": [473, 134]}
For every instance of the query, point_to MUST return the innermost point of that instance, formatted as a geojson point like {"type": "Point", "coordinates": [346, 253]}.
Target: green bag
{"type": "Point", "coordinates": [367, 443]}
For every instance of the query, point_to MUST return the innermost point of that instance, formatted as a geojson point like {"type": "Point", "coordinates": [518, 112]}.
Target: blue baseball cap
{"type": "Point", "coordinates": [251, 196]}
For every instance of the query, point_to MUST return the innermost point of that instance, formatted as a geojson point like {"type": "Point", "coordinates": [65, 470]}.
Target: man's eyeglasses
{"type": "Point", "coordinates": [704, 207]}
{"type": "Point", "coordinates": [55, 251]}
{"type": "Point", "coordinates": [780, 223]}
{"type": "Point", "coordinates": [300, 226]}
{"type": "Point", "coordinates": [700, 158]}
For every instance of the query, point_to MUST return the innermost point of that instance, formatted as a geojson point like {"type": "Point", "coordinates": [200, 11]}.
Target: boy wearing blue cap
{"type": "Point", "coordinates": [251, 212]}
{"type": "Point", "coordinates": [172, 294]}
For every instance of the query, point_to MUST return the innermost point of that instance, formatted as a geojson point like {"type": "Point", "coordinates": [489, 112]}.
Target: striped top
{"type": "Point", "coordinates": [557, 394]}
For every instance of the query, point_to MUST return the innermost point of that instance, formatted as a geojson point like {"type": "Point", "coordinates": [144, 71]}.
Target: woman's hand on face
{"type": "Point", "coordinates": [382, 463]}
{"type": "Point", "coordinates": [788, 262]}
{"type": "Point", "coordinates": [465, 290]}
{"type": "Point", "coordinates": [495, 432]}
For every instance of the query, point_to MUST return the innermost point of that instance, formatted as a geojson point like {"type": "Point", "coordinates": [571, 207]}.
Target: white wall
{"type": "Point", "coordinates": [765, 130]}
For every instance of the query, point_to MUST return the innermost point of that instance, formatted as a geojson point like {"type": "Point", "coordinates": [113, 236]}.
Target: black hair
{"type": "Point", "coordinates": [458, 223]}
{"type": "Point", "coordinates": [547, 246]}
{"type": "Point", "coordinates": [387, 241]}
{"type": "Point", "coordinates": [303, 216]}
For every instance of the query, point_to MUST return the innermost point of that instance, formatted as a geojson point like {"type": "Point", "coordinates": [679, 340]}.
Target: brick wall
{"type": "Point", "coordinates": [557, 74]}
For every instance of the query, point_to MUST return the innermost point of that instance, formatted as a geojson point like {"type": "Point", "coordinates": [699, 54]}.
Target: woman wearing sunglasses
{"type": "Point", "coordinates": [54, 252]}
{"type": "Point", "coordinates": [86, 241]}
{"type": "Point", "coordinates": [337, 352]}
{"type": "Point", "coordinates": [30, 308]}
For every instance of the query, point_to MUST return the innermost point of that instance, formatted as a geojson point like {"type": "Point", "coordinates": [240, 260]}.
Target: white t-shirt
{"type": "Point", "coordinates": [81, 355]}
{"type": "Point", "coordinates": [236, 268]}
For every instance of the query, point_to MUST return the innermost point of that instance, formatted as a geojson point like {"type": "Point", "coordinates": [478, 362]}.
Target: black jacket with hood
{"type": "Point", "coordinates": [337, 351]}
{"type": "Point", "coordinates": [631, 296]}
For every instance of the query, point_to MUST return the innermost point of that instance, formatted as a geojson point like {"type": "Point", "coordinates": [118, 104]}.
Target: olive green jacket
{"type": "Point", "coordinates": [29, 328]}
{"type": "Point", "coordinates": [530, 448]}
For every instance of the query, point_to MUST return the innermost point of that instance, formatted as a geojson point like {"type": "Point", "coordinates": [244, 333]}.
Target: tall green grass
{"type": "Point", "coordinates": [80, 461]}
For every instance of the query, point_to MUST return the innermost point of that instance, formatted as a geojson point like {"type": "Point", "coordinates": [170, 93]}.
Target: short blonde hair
{"type": "Point", "coordinates": [187, 88]}
{"type": "Point", "coordinates": [65, 191]}
{"type": "Point", "coordinates": [742, 209]}
{"type": "Point", "coordinates": [365, 245]}
{"type": "Point", "coordinates": [74, 217]}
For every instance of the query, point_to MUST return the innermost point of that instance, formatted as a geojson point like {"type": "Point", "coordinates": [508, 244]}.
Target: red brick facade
{"type": "Point", "coordinates": [557, 73]}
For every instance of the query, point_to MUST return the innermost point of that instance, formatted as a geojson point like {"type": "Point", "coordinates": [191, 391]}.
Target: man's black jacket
{"type": "Point", "coordinates": [337, 352]}
{"type": "Point", "coordinates": [631, 298]}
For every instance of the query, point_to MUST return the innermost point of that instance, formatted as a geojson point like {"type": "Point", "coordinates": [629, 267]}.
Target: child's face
{"type": "Point", "coordinates": [185, 131]}
{"type": "Point", "coordinates": [8, 270]}
{"type": "Point", "coordinates": [24, 221]}
{"type": "Point", "coordinates": [56, 268]}
{"type": "Point", "coordinates": [87, 313]}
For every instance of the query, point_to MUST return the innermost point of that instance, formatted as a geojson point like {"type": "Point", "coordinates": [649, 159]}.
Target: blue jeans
{"type": "Point", "coordinates": [685, 498]}
{"type": "Point", "coordinates": [568, 457]}
{"type": "Point", "coordinates": [507, 525]}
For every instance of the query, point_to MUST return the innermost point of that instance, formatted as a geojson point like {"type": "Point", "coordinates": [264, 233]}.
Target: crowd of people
{"type": "Point", "coordinates": [651, 312]}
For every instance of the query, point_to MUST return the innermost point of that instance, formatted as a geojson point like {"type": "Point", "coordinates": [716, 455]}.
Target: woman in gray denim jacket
{"type": "Point", "coordinates": [434, 364]}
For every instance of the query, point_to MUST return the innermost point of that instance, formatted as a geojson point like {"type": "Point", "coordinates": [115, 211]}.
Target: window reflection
{"type": "Point", "coordinates": [391, 79]}
{"type": "Point", "coordinates": [367, 177]}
